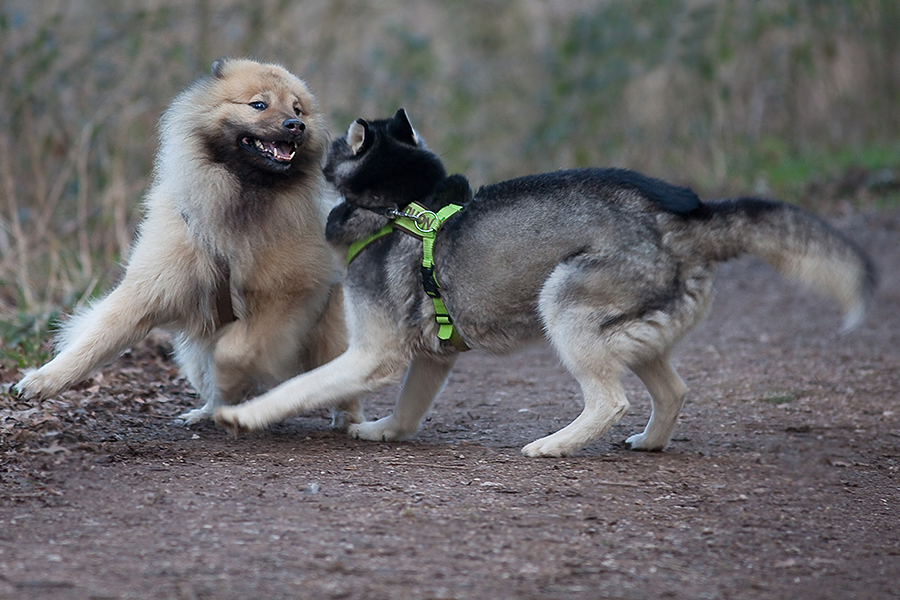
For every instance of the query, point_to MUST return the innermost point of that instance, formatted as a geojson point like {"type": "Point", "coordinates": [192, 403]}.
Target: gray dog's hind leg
{"type": "Point", "coordinates": [589, 352]}
{"type": "Point", "coordinates": [667, 392]}
{"type": "Point", "coordinates": [604, 405]}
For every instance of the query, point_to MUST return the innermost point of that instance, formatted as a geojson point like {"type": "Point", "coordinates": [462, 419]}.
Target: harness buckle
{"type": "Point", "coordinates": [429, 282]}
{"type": "Point", "coordinates": [425, 220]}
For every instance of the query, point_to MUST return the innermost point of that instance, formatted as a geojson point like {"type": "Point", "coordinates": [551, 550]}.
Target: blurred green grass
{"type": "Point", "coordinates": [800, 175]}
{"type": "Point", "coordinates": [796, 100]}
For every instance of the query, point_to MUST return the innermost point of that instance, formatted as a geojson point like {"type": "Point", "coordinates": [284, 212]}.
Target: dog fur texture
{"type": "Point", "coordinates": [238, 190]}
{"type": "Point", "coordinates": [611, 266]}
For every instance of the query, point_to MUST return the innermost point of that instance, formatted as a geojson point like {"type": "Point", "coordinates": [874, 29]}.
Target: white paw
{"type": "Point", "coordinates": [548, 446]}
{"type": "Point", "coordinates": [196, 415]}
{"type": "Point", "coordinates": [234, 420]}
{"type": "Point", "coordinates": [37, 383]}
{"type": "Point", "coordinates": [641, 441]}
{"type": "Point", "coordinates": [382, 430]}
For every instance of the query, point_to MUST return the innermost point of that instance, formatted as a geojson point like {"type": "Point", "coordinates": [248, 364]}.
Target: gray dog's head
{"type": "Point", "coordinates": [383, 164]}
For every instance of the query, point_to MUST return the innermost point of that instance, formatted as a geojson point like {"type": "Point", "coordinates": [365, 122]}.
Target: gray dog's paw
{"type": "Point", "coordinates": [382, 430]}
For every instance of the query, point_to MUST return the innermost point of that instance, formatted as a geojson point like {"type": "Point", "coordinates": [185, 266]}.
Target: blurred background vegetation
{"type": "Point", "coordinates": [796, 99]}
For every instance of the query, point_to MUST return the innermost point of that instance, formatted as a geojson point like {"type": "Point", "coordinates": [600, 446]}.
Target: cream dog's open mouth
{"type": "Point", "coordinates": [281, 151]}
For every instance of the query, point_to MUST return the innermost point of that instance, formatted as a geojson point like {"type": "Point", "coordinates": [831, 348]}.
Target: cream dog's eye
{"type": "Point", "coordinates": [259, 105]}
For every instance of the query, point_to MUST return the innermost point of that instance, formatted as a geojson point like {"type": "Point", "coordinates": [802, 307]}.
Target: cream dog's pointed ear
{"type": "Point", "coordinates": [218, 68]}
{"type": "Point", "coordinates": [356, 135]}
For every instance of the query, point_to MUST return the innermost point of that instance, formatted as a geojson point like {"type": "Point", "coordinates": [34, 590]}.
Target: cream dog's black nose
{"type": "Point", "coordinates": [294, 125]}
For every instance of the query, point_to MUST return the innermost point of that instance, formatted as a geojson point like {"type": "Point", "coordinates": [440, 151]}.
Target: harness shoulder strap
{"type": "Point", "coordinates": [357, 246]}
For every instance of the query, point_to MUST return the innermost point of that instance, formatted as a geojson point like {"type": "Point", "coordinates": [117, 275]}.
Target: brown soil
{"type": "Point", "coordinates": [782, 480]}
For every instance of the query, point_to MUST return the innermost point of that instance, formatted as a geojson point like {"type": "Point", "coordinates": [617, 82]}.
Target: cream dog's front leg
{"type": "Point", "coordinates": [94, 338]}
{"type": "Point", "coordinates": [353, 373]}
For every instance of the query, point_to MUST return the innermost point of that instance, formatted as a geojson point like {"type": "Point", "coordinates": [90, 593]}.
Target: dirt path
{"type": "Point", "coordinates": [782, 480]}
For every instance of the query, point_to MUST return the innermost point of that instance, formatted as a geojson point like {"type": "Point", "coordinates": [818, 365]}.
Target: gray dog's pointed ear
{"type": "Point", "coordinates": [356, 135]}
{"type": "Point", "coordinates": [401, 128]}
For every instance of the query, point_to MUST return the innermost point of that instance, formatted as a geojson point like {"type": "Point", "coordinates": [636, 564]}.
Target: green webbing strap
{"type": "Point", "coordinates": [424, 224]}
{"type": "Point", "coordinates": [418, 221]}
{"type": "Point", "coordinates": [358, 245]}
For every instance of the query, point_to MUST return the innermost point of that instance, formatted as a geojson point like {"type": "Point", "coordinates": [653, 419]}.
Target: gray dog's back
{"type": "Point", "coordinates": [633, 244]}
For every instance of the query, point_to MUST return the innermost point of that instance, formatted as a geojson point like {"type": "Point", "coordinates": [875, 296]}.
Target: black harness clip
{"type": "Point", "coordinates": [429, 282]}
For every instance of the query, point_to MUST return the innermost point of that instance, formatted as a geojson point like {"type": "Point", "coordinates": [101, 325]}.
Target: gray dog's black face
{"type": "Point", "coordinates": [383, 164]}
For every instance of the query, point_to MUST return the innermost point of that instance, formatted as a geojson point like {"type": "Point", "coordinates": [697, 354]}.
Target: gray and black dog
{"type": "Point", "coordinates": [612, 266]}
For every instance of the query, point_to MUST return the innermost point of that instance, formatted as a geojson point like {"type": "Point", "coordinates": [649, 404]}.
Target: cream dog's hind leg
{"type": "Point", "coordinates": [195, 358]}
{"type": "Point", "coordinates": [327, 341]}
{"type": "Point", "coordinates": [271, 347]}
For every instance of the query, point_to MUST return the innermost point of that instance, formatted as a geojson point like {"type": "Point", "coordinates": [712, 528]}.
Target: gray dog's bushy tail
{"type": "Point", "coordinates": [796, 243]}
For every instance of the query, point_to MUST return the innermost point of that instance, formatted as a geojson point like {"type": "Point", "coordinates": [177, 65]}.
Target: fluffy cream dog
{"type": "Point", "coordinates": [231, 255]}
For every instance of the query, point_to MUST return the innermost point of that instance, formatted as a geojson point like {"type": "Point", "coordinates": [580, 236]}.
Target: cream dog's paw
{"type": "Point", "coordinates": [196, 415]}
{"type": "Point", "coordinates": [39, 383]}
{"type": "Point", "coordinates": [344, 420]}
{"type": "Point", "coordinates": [231, 420]}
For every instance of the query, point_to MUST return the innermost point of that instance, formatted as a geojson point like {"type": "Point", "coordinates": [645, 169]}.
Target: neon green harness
{"type": "Point", "coordinates": [419, 222]}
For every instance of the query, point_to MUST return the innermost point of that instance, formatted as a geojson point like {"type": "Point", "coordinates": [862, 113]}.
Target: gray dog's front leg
{"type": "Point", "coordinates": [424, 381]}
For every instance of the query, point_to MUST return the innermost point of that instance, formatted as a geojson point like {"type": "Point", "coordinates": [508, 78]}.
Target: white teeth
{"type": "Point", "coordinates": [271, 149]}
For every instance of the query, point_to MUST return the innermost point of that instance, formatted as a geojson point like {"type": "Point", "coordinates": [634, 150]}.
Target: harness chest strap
{"type": "Point", "coordinates": [224, 307]}
{"type": "Point", "coordinates": [418, 221]}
